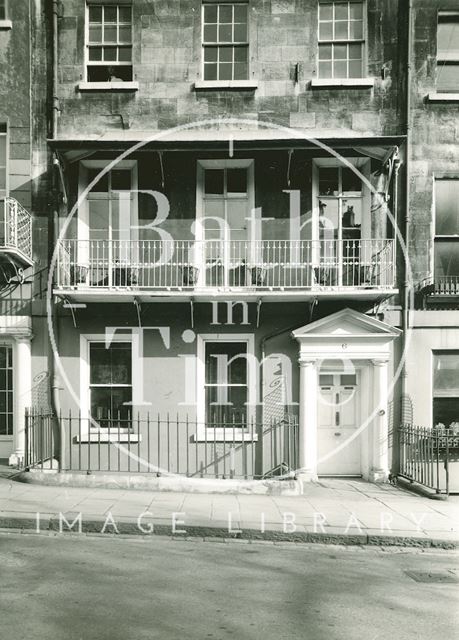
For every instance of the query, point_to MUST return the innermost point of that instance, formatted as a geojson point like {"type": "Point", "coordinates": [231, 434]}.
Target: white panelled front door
{"type": "Point", "coordinates": [338, 419]}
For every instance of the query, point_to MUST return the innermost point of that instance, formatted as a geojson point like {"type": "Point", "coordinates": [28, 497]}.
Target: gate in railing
{"type": "Point", "coordinates": [164, 445]}
{"type": "Point", "coordinates": [40, 440]}
{"type": "Point", "coordinates": [426, 454]}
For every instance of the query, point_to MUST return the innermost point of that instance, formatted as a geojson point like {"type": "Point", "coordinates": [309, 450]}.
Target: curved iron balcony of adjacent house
{"type": "Point", "coordinates": [15, 232]}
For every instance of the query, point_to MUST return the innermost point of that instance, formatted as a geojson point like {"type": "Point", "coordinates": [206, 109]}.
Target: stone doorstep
{"type": "Point", "coordinates": [50, 524]}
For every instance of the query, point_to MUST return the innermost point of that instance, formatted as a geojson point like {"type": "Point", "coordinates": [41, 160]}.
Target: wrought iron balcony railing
{"type": "Point", "coordinates": [182, 265]}
{"type": "Point", "coordinates": [16, 231]}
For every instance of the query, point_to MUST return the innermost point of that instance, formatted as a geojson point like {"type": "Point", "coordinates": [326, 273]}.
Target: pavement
{"type": "Point", "coordinates": [156, 588]}
{"type": "Point", "coordinates": [343, 511]}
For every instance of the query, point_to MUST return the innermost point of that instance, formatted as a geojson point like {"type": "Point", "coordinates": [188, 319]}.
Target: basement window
{"type": "Point", "coordinates": [448, 52]}
{"type": "Point", "coordinates": [109, 43]}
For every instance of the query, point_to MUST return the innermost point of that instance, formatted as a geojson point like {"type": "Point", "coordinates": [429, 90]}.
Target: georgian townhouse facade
{"type": "Point", "coordinates": [233, 184]}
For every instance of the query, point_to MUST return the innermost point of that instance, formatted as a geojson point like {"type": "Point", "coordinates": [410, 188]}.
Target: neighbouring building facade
{"type": "Point", "coordinates": [226, 193]}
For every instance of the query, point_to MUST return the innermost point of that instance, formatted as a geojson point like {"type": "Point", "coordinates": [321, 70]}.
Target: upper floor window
{"type": "Point", "coordinates": [446, 246]}
{"type": "Point", "coordinates": [2, 9]}
{"type": "Point", "coordinates": [448, 52]}
{"type": "Point", "coordinates": [3, 161]}
{"type": "Point", "coordinates": [225, 41]}
{"type": "Point", "coordinates": [341, 39]}
{"type": "Point", "coordinates": [109, 42]}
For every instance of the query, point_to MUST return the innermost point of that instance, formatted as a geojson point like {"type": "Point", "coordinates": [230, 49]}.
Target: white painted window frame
{"type": "Point", "coordinates": [89, 432]}
{"type": "Point", "coordinates": [438, 177]}
{"type": "Point", "coordinates": [363, 81]}
{"type": "Point", "coordinates": [202, 165]}
{"type": "Point", "coordinates": [364, 167]}
{"type": "Point", "coordinates": [83, 208]}
{"type": "Point", "coordinates": [204, 433]}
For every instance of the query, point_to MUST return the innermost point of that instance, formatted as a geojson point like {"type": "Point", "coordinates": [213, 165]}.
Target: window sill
{"type": "Point", "coordinates": [6, 24]}
{"type": "Point", "coordinates": [210, 85]}
{"type": "Point", "coordinates": [210, 436]}
{"type": "Point", "coordinates": [442, 97]}
{"type": "Point", "coordinates": [350, 83]}
{"type": "Point", "coordinates": [103, 437]}
{"type": "Point", "coordinates": [108, 86]}
{"type": "Point", "coordinates": [6, 438]}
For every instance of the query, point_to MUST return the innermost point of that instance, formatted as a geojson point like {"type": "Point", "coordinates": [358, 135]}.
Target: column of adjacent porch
{"type": "Point", "coordinates": [308, 420]}
{"type": "Point", "coordinates": [379, 470]}
{"type": "Point", "coordinates": [22, 359]}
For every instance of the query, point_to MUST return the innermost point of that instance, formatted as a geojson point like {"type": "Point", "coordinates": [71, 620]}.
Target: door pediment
{"type": "Point", "coordinates": [346, 323]}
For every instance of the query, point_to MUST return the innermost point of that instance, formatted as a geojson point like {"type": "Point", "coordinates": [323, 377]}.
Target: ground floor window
{"type": "Point", "coordinates": [446, 388]}
{"type": "Point", "coordinates": [6, 391]}
{"type": "Point", "coordinates": [226, 379]}
{"type": "Point", "coordinates": [110, 383]}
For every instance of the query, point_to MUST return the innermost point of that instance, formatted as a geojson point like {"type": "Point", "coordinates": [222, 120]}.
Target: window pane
{"type": "Point", "coordinates": [125, 34]}
{"type": "Point", "coordinates": [124, 55]}
{"type": "Point", "coordinates": [325, 52]}
{"type": "Point", "coordinates": [95, 53]}
{"type": "Point", "coordinates": [341, 30]}
{"type": "Point", "coordinates": [328, 218]}
{"type": "Point", "coordinates": [213, 181]}
{"type": "Point", "coordinates": [240, 54]}
{"type": "Point", "coordinates": [340, 69]}
{"type": "Point", "coordinates": [356, 30]}
{"type": "Point", "coordinates": [112, 365]}
{"type": "Point", "coordinates": [356, 10]}
{"type": "Point", "coordinates": [351, 182]}
{"type": "Point", "coordinates": [95, 14]}
{"type": "Point", "coordinates": [111, 402]}
{"type": "Point", "coordinates": [210, 33]}
{"type": "Point", "coordinates": [355, 69]}
{"type": "Point", "coordinates": [210, 54]}
{"type": "Point", "coordinates": [447, 207]}
{"type": "Point", "coordinates": [225, 71]}
{"type": "Point", "coordinates": [325, 69]}
{"type": "Point", "coordinates": [102, 184]}
{"type": "Point", "coordinates": [226, 363]}
{"type": "Point", "coordinates": [210, 71]}
{"type": "Point", "coordinates": [448, 77]}
{"type": "Point", "coordinates": [95, 33]}
{"type": "Point", "coordinates": [226, 54]}
{"type": "Point", "coordinates": [121, 179]}
{"type": "Point", "coordinates": [326, 31]}
{"type": "Point", "coordinates": [240, 33]}
{"type": "Point", "coordinates": [340, 51]}
{"type": "Point", "coordinates": [240, 13]}
{"type": "Point", "coordinates": [446, 372]}
{"type": "Point", "coordinates": [448, 37]}
{"type": "Point", "coordinates": [348, 380]}
{"type": "Point", "coordinates": [445, 411]}
{"type": "Point", "coordinates": [210, 13]}
{"type": "Point", "coordinates": [110, 34]}
{"type": "Point", "coordinates": [226, 13]}
{"type": "Point", "coordinates": [325, 11]}
{"type": "Point", "coordinates": [446, 259]}
{"type": "Point", "coordinates": [125, 14]}
{"type": "Point", "coordinates": [110, 53]}
{"type": "Point", "coordinates": [225, 33]}
{"type": "Point", "coordinates": [328, 181]}
{"type": "Point", "coordinates": [355, 51]}
{"type": "Point", "coordinates": [2, 151]}
{"type": "Point", "coordinates": [325, 380]}
{"type": "Point", "coordinates": [109, 14]}
{"type": "Point", "coordinates": [341, 11]}
{"type": "Point", "coordinates": [241, 71]}
{"type": "Point", "coordinates": [236, 180]}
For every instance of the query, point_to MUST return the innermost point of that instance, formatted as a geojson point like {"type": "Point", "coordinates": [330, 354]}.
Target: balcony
{"type": "Point", "coordinates": [262, 269]}
{"type": "Point", "coordinates": [441, 293]}
{"type": "Point", "coordinates": [15, 233]}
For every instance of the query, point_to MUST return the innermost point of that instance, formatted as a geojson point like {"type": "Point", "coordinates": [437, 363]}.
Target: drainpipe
{"type": "Point", "coordinates": [53, 234]}
{"type": "Point", "coordinates": [407, 223]}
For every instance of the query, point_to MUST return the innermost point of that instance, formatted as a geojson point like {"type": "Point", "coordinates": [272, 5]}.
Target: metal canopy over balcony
{"type": "Point", "coordinates": [15, 233]}
{"type": "Point", "coordinates": [267, 269]}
